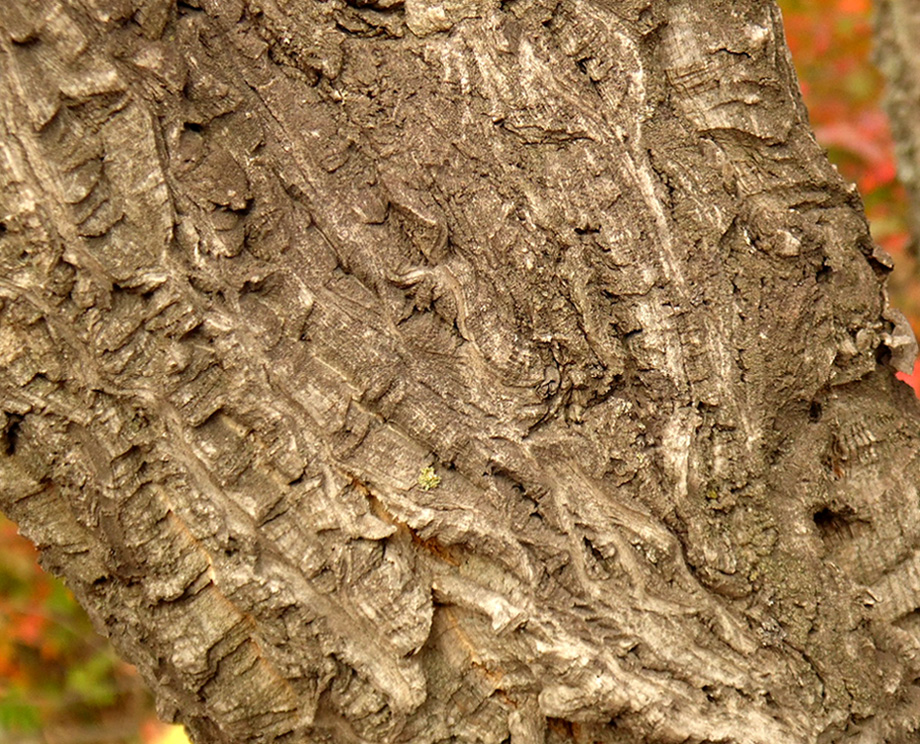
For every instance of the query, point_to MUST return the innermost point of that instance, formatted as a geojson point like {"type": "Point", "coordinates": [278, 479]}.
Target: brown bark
{"type": "Point", "coordinates": [474, 371]}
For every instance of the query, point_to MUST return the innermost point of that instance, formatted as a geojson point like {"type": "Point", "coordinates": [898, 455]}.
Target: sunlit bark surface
{"type": "Point", "coordinates": [455, 371]}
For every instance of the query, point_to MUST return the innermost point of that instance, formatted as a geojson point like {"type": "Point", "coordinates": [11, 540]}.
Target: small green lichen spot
{"type": "Point", "coordinates": [427, 479]}
{"type": "Point", "coordinates": [712, 494]}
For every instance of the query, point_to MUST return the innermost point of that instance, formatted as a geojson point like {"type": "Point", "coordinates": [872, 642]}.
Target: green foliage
{"type": "Point", "coordinates": [18, 715]}
{"type": "Point", "coordinates": [55, 672]}
{"type": "Point", "coordinates": [94, 682]}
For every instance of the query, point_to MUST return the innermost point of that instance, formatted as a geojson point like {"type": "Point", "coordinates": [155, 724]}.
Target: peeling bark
{"type": "Point", "coordinates": [473, 371]}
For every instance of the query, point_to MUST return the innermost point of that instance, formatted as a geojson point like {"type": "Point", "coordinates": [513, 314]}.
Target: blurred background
{"type": "Point", "coordinates": [831, 43]}
{"type": "Point", "coordinates": [60, 683]}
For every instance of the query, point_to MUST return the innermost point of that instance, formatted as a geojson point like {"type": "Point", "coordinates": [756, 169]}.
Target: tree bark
{"type": "Point", "coordinates": [897, 24]}
{"type": "Point", "coordinates": [462, 371]}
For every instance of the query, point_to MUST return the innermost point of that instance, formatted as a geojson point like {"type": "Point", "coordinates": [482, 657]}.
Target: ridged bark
{"type": "Point", "coordinates": [461, 371]}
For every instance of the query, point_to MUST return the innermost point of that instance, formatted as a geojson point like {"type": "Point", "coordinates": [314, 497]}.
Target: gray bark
{"type": "Point", "coordinates": [897, 25]}
{"type": "Point", "coordinates": [461, 371]}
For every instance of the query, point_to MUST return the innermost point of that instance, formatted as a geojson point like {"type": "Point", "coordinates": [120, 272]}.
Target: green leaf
{"type": "Point", "coordinates": [16, 714]}
{"type": "Point", "coordinates": [94, 680]}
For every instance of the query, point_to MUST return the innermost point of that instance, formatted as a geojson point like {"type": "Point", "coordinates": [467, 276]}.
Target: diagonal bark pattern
{"type": "Point", "coordinates": [416, 372]}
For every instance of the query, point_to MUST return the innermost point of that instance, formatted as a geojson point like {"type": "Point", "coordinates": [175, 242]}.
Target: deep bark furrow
{"type": "Point", "coordinates": [401, 373]}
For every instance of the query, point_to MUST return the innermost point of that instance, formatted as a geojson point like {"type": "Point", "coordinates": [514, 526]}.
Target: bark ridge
{"type": "Point", "coordinates": [427, 371]}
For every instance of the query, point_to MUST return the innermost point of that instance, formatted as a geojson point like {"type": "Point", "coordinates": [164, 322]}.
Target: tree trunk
{"type": "Point", "coordinates": [426, 371]}
{"type": "Point", "coordinates": [897, 25]}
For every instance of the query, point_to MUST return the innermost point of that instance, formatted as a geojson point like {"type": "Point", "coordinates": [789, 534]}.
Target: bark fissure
{"type": "Point", "coordinates": [416, 372]}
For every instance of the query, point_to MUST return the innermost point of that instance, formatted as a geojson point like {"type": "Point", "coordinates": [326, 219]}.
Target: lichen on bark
{"type": "Point", "coordinates": [455, 371]}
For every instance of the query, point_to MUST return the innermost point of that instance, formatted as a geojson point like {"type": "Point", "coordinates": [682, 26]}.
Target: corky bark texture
{"type": "Point", "coordinates": [427, 371]}
{"type": "Point", "coordinates": [897, 28]}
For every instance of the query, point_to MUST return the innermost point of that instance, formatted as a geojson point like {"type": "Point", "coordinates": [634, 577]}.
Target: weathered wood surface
{"type": "Point", "coordinates": [420, 372]}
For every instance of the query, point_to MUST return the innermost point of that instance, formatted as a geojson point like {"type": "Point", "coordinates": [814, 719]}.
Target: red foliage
{"type": "Point", "coordinates": [913, 379]}
{"type": "Point", "coordinates": [831, 44]}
